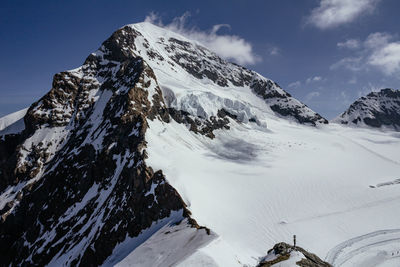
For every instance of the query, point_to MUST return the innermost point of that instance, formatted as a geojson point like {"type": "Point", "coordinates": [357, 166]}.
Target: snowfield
{"type": "Point", "coordinates": [256, 187]}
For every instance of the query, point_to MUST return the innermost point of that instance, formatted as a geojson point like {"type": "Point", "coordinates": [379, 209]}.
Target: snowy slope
{"type": "Point", "coordinates": [377, 110]}
{"type": "Point", "coordinates": [295, 256]}
{"type": "Point", "coordinates": [13, 123]}
{"type": "Point", "coordinates": [169, 246]}
{"type": "Point", "coordinates": [255, 186]}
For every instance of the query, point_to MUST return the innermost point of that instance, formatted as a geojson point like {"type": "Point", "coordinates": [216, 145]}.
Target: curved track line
{"type": "Point", "coordinates": [337, 256]}
{"type": "Point", "coordinates": [370, 150]}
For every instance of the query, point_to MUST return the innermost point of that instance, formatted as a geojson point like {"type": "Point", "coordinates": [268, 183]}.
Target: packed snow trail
{"type": "Point", "coordinates": [372, 151]}
{"type": "Point", "coordinates": [380, 248]}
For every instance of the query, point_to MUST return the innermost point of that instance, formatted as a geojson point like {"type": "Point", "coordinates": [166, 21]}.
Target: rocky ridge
{"type": "Point", "coordinates": [282, 252]}
{"type": "Point", "coordinates": [377, 110]}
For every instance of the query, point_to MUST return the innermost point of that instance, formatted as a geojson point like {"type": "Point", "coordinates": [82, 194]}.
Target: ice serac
{"type": "Point", "coordinates": [377, 110]}
{"type": "Point", "coordinates": [75, 187]}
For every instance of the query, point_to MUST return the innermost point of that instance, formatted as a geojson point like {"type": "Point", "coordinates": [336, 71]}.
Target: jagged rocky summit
{"type": "Point", "coordinates": [376, 110]}
{"type": "Point", "coordinates": [74, 182]}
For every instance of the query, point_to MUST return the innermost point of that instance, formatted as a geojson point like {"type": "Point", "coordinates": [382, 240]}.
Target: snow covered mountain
{"type": "Point", "coordinates": [157, 152]}
{"type": "Point", "coordinates": [377, 109]}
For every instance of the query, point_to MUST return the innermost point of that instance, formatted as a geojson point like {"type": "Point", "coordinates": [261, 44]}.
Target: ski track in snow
{"type": "Point", "coordinates": [384, 246]}
{"type": "Point", "coordinates": [364, 206]}
{"type": "Point", "coordinates": [371, 151]}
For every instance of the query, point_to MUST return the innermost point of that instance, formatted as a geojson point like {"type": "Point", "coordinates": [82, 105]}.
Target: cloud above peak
{"type": "Point", "coordinates": [385, 54]}
{"type": "Point", "coordinates": [379, 50]}
{"type": "Point", "coordinates": [333, 13]}
{"type": "Point", "coordinates": [229, 47]}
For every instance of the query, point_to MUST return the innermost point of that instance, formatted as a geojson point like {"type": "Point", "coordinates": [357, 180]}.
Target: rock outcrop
{"type": "Point", "coordinates": [284, 252]}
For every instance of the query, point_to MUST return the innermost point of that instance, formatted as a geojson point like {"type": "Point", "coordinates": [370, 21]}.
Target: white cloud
{"type": "Point", "coordinates": [379, 50]}
{"type": "Point", "coordinates": [369, 88]}
{"type": "Point", "coordinates": [152, 17]}
{"type": "Point", "coordinates": [385, 55]}
{"type": "Point", "coordinates": [312, 95]}
{"type": "Point", "coordinates": [230, 47]}
{"type": "Point", "coordinates": [344, 98]}
{"type": "Point", "coordinates": [294, 84]}
{"type": "Point", "coordinates": [314, 79]}
{"type": "Point", "coordinates": [377, 39]}
{"type": "Point", "coordinates": [333, 13]}
{"type": "Point", "coordinates": [274, 51]}
{"type": "Point", "coordinates": [353, 80]}
{"type": "Point", "coordinates": [350, 44]}
{"type": "Point", "coordinates": [350, 63]}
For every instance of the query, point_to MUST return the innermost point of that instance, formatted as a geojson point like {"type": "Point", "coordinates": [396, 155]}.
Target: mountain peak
{"type": "Point", "coordinates": [388, 92]}
{"type": "Point", "coordinates": [203, 77]}
{"type": "Point", "coordinates": [379, 109]}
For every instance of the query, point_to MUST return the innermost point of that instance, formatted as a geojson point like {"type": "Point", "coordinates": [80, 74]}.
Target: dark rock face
{"type": "Point", "coordinates": [8, 145]}
{"type": "Point", "coordinates": [284, 104]}
{"type": "Point", "coordinates": [282, 251]}
{"type": "Point", "coordinates": [289, 111]}
{"type": "Point", "coordinates": [200, 63]}
{"type": "Point", "coordinates": [79, 182]}
{"type": "Point", "coordinates": [201, 125]}
{"type": "Point", "coordinates": [377, 110]}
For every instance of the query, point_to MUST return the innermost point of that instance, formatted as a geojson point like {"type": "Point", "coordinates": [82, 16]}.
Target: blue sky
{"type": "Point", "coordinates": [326, 53]}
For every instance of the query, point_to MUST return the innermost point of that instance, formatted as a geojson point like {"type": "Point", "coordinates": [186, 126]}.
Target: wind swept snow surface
{"type": "Point", "coordinates": [256, 187]}
{"type": "Point", "coordinates": [380, 248]}
{"type": "Point", "coordinates": [169, 245]}
{"type": "Point", "coordinates": [13, 123]}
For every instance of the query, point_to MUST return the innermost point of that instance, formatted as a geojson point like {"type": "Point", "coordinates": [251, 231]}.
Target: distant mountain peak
{"type": "Point", "coordinates": [377, 110]}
